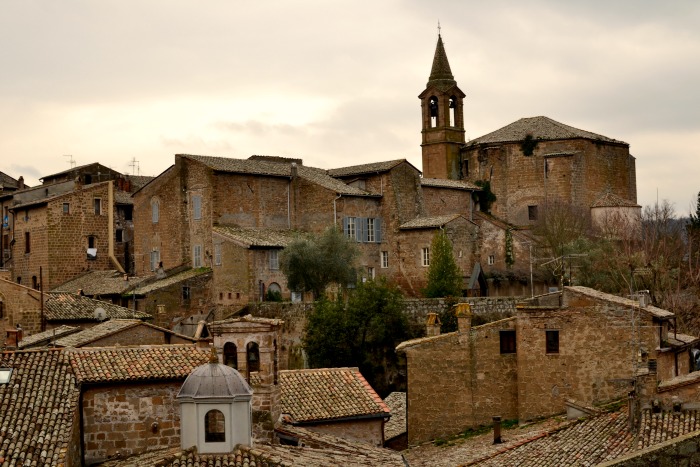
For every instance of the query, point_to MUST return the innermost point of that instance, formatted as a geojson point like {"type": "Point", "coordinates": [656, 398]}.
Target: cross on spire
{"type": "Point", "coordinates": [439, 28]}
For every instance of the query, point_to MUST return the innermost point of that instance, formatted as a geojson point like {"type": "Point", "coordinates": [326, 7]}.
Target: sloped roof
{"type": "Point", "coordinates": [429, 222]}
{"type": "Point", "coordinates": [422, 340]}
{"type": "Point", "coordinates": [440, 73]}
{"type": "Point", "coordinates": [61, 306]}
{"type": "Point", "coordinates": [170, 280]}
{"type": "Point", "coordinates": [652, 310]}
{"type": "Point", "coordinates": [265, 167]}
{"type": "Point", "coordinates": [128, 364]}
{"type": "Point", "coordinates": [328, 394]}
{"type": "Point", "coordinates": [252, 237]}
{"type": "Point", "coordinates": [611, 200]}
{"type": "Point", "coordinates": [396, 401]}
{"type": "Point", "coordinates": [542, 128]}
{"type": "Point", "coordinates": [7, 182]}
{"type": "Point", "coordinates": [37, 408]}
{"type": "Point", "coordinates": [446, 183]}
{"type": "Point", "coordinates": [42, 338]}
{"type": "Point", "coordinates": [95, 283]}
{"type": "Point", "coordinates": [138, 181]}
{"type": "Point", "coordinates": [108, 328]}
{"type": "Point", "coordinates": [78, 168]}
{"type": "Point", "coordinates": [361, 169]}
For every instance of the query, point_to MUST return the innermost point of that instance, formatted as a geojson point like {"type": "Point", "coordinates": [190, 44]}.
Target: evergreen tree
{"type": "Point", "coordinates": [444, 276]}
{"type": "Point", "coordinates": [695, 217]}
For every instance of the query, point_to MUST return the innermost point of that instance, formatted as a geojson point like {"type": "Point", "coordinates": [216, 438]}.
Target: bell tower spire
{"type": "Point", "coordinates": [443, 119]}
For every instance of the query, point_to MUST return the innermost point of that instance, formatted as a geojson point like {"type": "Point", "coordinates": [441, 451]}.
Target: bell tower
{"type": "Point", "coordinates": [443, 120]}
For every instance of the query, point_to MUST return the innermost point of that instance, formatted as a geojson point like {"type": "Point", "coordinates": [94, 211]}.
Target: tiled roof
{"type": "Point", "coordinates": [7, 182]}
{"type": "Point", "coordinates": [138, 181]}
{"type": "Point", "coordinates": [95, 283]}
{"type": "Point", "coordinates": [679, 381]}
{"type": "Point", "coordinates": [43, 338]}
{"type": "Point", "coordinates": [257, 237]}
{"type": "Point", "coordinates": [37, 408]}
{"type": "Point", "coordinates": [373, 167]}
{"type": "Point", "coordinates": [659, 427]}
{"type": "Point", "coordinates": [440, 72]}
{"type": "Point", "coordinates": [542, 128]}
{"type": "Point", "coordinates": [250, 319]}
{"type": "Point", "coordinates": [328, 394]}
{"type": "Point", "coordinates": [75, 169]}
{"type": "Point", "coordinates": [421, 340]}
{"type": "Point", "coordinates": [122, 197]}
{"type": "Point", "coordinates": [611, 200]}
{"type": "Point", "coordinates": [429, 222]}
{"type": "Point", "coordinates": [170, 280]}
{"type": "Point", "coordinates": [61, 306]}
{"type": "Point", "coordinates": [652, 310]}
{"type": "Point", "coordinates": [396, 401]}
{"type": "Point", "coordinates": [96, 332]}
{"type": "Point", "coordinates": [446, 183]}
{"type": "Point", "coordinates": [265, 167]}
{"type": "Point", "coordinates": [126, 364]}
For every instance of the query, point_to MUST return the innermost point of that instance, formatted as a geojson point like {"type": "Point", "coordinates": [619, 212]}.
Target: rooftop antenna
{"type": "Point", "coordinates": [70, 161]}
{"type": "Point", "coordinates": [135, 167]}
{"type": "Point", "coordinates": [439, 28]}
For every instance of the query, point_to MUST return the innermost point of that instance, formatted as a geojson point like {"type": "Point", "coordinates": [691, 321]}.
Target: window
{"type": "Point", "coordinates": [91, 241]}
{"type": "Point", "coordinates": [231, 355]}
{"type": "Point", "coordinates": [197, 256]}
{"type": "Point", "coordinates": [507, 341]}
{"type": "Point", "coordinates": [5, 374]}
{"type": "Point", "coordinates": [349, 227]}
{"type": "Point", "coordinates": [214, 427]}
{"type": "Point", "coordinates": [370, 272]}
{"type": "Point", "coordinates": [196, 206]}
{"type": "Point", "coordinates": [66, 208]}
{"type": "Point", "coordinates": [425, 256]}
{"type": "Point", "coordinates": [252, 357]}
{"type": "Point", "coordinates": [385, 259]}
{"type": "Point", "coordinates": [453, 109]}
{"type": "Point", "coordinates": [433, 109]}
{"type": "Point", "coordinates": [185, 293]}
{"type": "Point", "coordinates": [27, 243]}
{"type": "Point", "coordinates": [532, 213]}
{"type": "Point", "coordinates": [120, 235]}
{"type": "Point", "coordinates": [35, 283]}
{"type": "Point", "coordinates": [155, 259]}
{"type": "Point", "coordinates": [274, 259]}
{"type": "Point", "coordinates": [217, 254]}
{"type": "Point", "coordinates": [552, 341]}
{"type": "Point", "coordinates": [370, 230]}
{"type": "Point", "coordinates": [155, 211]}
{"type": "Point", "coordinates": [98, 206]}
{"type": "Point", "coordinates": [492, 259]}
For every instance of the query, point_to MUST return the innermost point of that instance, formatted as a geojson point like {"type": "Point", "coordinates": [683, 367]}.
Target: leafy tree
{"type": "Point", "coordinates": [444, 276]}
{"type": "Point", "coordinates": [311, 264]}
{"type": "Point", "coordinates": [362, 332]}
{"type": "Point", "coordinates": [486, 196]}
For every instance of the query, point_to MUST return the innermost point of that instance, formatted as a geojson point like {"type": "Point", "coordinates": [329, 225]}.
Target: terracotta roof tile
{"type": "Point", "coordinates": [396, 401]}
{"type": "Point", "coordinates": [124, 364]}
{"type": "Point", "coordinates": [44, 338]}
{"type": "Point", "coordinates": [61, 306]}
{"type": "Point", "coordinates": [652, 310]}
{"type": "Point", "coordinates": [37, 408]}
{"type": "Point", "coordinates": [96, 283]}
{"type": "Point", "coordinates": [611, 200]}
{"type": "Point", "coordinates": [429, 222]}
{"type": "Point", "coordinates": [373, 167]}
{"type": "Point", "coordinates": [445, 183]}
{"type": "Point", "coordinates": [250, 237]}
{"type": "Point", "coordinates": [328, 394]}
{"type": "Point", "coordinates": [170, 280]}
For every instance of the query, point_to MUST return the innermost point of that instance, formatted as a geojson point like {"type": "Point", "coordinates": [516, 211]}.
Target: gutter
{"type": "Point", "coordinates": [110, 227]}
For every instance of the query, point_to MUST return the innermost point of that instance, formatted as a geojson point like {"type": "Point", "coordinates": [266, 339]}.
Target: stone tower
{"type": "Point", "coordinates": [443, 120]}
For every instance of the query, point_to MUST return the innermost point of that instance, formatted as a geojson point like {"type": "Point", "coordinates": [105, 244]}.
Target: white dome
{"type": "Point", "coordinates": [214, 381]}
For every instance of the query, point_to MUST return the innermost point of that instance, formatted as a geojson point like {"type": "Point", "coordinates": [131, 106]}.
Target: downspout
{"type": "Point", "coordinates": [110, 227]}
{"type": "Point", "coordinates": [335, 212]}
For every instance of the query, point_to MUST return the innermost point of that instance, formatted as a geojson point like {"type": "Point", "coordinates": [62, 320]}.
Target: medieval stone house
{"type": "Point", "coordinates": [579, 344]}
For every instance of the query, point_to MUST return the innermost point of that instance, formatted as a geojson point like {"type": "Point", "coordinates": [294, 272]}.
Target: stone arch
{"type": "Point", "coordinates": [214, 427]}
{"type": "Point", "coordinates": [252, 358]}
{"type": "Point", "coordinates": [231, 355]}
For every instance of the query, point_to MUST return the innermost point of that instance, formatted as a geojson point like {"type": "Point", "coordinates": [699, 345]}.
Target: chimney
{"type": "Point", "coordinates": [14, 337]}
{"type": "Point", "coordinates": [497, 429]}
{"type": "Point", "coordinates": [294, 170]}
{"type": "Point", "coordinates": [464, 317]}
{"type": "Point", "coordinates": [20, 183]}
{"type": "Point", "coordinates": [432, 325]}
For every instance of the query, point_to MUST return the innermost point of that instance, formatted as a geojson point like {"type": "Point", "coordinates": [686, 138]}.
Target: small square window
{"type": "Point", "coordinates": [492, 259]}
{"type": "Point", "coordinates": [5, 374]}
{"type": "Point", "coordinates": [552, 341]}
{"type": "Point", "coordinates": [507, 341]}
{"type": "Point", "coordinates": [532, 213]}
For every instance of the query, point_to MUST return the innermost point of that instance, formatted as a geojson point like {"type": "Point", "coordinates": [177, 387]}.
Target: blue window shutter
{"type": "Point", "coordinates": [360, 228]}
{"type": "Point", "coordinates": [378, 230]}
{"type": "Point", "coordinates": [346, 228]}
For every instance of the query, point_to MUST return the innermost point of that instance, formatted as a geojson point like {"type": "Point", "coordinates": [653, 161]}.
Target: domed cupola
{"type": "Point", "coordinates": [215, 408]}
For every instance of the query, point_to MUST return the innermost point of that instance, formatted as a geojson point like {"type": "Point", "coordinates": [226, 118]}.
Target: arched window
{"type": "Point", "coordinates": [453, 111]}
{"type": "Point", "coordinates": [231, 355]}
{"type": "Point", "coordinates": [214, 427]}
{"type": "Point", "coordinates": [433, 105]}
{"type": "Point", "coordinates": [252, 358]}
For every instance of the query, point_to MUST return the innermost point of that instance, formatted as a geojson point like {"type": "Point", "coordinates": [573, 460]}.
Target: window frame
{"type": "Point", "coordinates": [196, 256]}
{"type": "Point", "coordinates": [196, 207]}
{"type": "Point", "coordinates": [532, 212]}
{"type": "Point", "coordinates": [491, 260]}
{"type": "Point", "coordinates": [552, 341]}
{"type": "Point", "coordinates": [508, 341]}
{"type": "Point", "coordinates": [155, 211]}
{"type": "Point", "coordinates": [274, 261]}
{"type": "Point", "coordinates": [66, 208]}
{"type": "Point", "coordinates": [155, 259]}
{"type": "Point", "coordinates": [27, 243]}
{"type": "Point", "coordinates": [97, 204]}
{"type": "Point", "coordinates": [217, 254]}
{"type": "Point", "coordinates": [370, 230]}
{"type": "Point", "coordinates": [384, 259]}
{"type": "Point", "coordinates": [425, 256]}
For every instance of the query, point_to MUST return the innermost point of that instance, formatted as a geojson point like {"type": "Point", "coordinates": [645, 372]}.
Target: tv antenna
{"type": "Point", "coordinates": [135, 167]}
{"type": "Point", "coordinates": [71, 161]}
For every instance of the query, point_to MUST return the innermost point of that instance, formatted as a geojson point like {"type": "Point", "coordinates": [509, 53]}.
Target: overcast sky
{"type": "Point", "coordinates": [336, 82]}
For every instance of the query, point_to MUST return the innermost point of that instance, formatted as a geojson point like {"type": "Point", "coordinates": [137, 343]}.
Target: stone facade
{"type": "Point", "coordinates": [121, 420]}
{"type": "Point", "coordinates": [21, 305]}
{"type": "Point", "coordinates": [366, 431]}
{"type": "Point", "coordinates": [581, 345]}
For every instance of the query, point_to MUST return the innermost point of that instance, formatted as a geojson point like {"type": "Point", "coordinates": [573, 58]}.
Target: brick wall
{"type": "Point", "coordinates": [21, 305]}
{"type": "Point", "coordinates": [118, 419]}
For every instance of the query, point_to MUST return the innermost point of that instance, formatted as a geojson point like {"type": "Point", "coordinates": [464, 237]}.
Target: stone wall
{"type": "Point", "coordinates": [369, 431]}
{"type": "Point", "coordinates": [177, 306]}
{"type": "Point", "coordinates": [130, 419]}
{"type": "Point", "coordinates": [21, 305]}
{"type": "Point", "coordinates": [484, 309]}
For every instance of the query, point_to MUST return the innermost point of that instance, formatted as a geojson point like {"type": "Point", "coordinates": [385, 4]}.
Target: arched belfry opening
{"type": "Point", "coordinates": [443, 120]}
{"type": "Point", "coordinates": [231, 355]}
